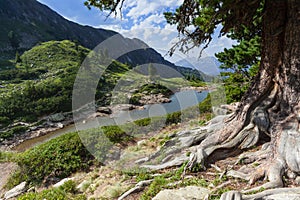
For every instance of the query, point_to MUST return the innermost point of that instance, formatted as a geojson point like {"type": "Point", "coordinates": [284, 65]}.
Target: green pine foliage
{"type": "Point", "coordinates": [240, 64]}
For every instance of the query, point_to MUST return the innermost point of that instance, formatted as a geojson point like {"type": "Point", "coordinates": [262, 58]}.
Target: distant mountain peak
{"type": "Point", "coordinates": [209, 65]}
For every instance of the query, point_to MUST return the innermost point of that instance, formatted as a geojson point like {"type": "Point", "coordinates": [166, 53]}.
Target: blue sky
{"type": "Point", "coordinates": [141, 19]}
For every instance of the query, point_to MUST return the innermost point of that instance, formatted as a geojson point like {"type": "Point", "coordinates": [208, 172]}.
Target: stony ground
{"type": "Point", "coordinates": [5, 171]}
{"type": "Point", "coordinates": [109, 182]}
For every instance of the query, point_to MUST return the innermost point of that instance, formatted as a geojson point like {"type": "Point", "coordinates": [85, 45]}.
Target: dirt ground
{"type": "Point", "coordinates": [5, 171]}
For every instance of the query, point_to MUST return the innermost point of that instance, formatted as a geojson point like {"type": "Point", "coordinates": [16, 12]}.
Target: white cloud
{"type": "Point", "coordinates": [145, 20]}
{"type": "Point", "coordinates": [141, 19]}
{"type": "Point", "coordinates": [149, 25]}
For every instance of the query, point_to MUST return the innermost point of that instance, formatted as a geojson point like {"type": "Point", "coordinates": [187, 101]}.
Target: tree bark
{"type": "Point", "coordinates": [270, 110]}
{"type": "Point", "coordinates": [271, 106]}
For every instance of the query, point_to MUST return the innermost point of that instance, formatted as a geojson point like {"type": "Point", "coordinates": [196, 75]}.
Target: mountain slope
{"type": "Point", "coordinates": [30, 22]}
{"type": "Point", "coordinates": [33, 22]}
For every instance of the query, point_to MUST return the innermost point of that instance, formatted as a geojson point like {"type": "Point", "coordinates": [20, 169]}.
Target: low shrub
{"type": "Point", "coordinates": [155, 187]}
{"type": "Point", "coordinates": [65, 192]}
{"type": "Point", "coordinates": [4, 121]}
{"type": "Point", "coordinates": [13, 131]}
{"type": "Point", "coordinates": [173, 118]}
{"type": "Point", "coordinates": [115, 134]}
{"type": "Point", "coordinates": [57, 158]}
{"type": "Point", "coordinates": [143, 122]}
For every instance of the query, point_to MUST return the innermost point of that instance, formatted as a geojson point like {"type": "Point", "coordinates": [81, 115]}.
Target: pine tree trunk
{"type": "Point", "coordinates": [272, 103]}
{"type": "Point", "coordinates": [271, 107]}
{"type": "Point", "coordinates": [269, 114]}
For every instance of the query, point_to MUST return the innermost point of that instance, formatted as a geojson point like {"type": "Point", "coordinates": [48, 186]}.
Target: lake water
{"type": "Point", "coordinates": [180, 101]}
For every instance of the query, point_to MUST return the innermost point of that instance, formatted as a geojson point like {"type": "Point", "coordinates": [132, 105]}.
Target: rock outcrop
{"type": "Point", "coordinates": [187, 193]}
{"type": "Point", "coordinates": [16, 191]}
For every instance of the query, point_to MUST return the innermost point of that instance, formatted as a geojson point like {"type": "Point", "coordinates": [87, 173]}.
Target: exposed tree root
{"type": "Point", "coordinates": [241, 132]}
{"type": "Point", "coordinates": [270, 108]}
{"type": "Point", "coordinates": [138, 187]}
{"type": "Point", "coordinates": [278, 193]}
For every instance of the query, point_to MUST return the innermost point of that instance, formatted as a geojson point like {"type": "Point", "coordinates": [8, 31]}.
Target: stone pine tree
{"type": "Point", "coordinates": [270, 109]}
{"type": "Point", "coordinates": [240, 64]}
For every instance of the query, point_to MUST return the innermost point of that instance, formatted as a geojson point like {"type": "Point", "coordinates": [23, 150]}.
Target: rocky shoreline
{"type": "Point", "coordinates": [58, 121]}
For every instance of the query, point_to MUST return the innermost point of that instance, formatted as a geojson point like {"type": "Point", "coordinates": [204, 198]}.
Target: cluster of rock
{"type": "Point", "coordinates": [154, 99]}
{"type": "Point", "coordinates": [198, 89]}
{"type": "Point", "coordinates": [49, 124]}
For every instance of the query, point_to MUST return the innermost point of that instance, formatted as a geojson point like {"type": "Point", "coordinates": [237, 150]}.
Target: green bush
{"type": "Point", "coordinates": [135, 98]}
{"type": "Point", "coordinates": [13, 131]}
{"type": "Point", "coordinates": [30, 118]}
{"type": "Point", "coordinates": [154, 88]}
{"type": "Point", "coordinates": [205, 106]}
{"type": "Point", "coordinates": [65, 192]}
{"type": "Point", "coordinates": [57, 158]}
{"type": "Point", "coordinates": [69, 186]}
{"type": "Point", "coordinates": [143, 122]}
{"type": "Point", "coordinates": [6, 156]}
{"type": "Point", "coordinates": [115, 134]}
{"type": "Point", "coordinates": [4, 121]}
{"type": "Point", "coordinates": [173, 118]}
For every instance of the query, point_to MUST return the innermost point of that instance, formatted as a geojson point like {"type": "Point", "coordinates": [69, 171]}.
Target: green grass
{"type": "Point", "coordinates": [6, 156]}
{"type": "Point", "coordinates": [155, 187]}
{"type": "Point", "coordinates": [42, 83]}
{"type": "Point", "coordinates": [67, 191]}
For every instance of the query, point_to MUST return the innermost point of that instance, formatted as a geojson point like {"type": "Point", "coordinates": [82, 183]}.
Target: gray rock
{"type": "Point", "coordinates": [133, 90]}
{"type": "Point", "coordinates": [187, 193]}
{"type": "Point", "coordinates": [104, 110]}
{"type": "Point", "coordinates": [60, 183]}
{"type": "Point", "coordinates": [58, 117]}
{"type": "Point", "coordinates": [59, 125]}
{"type": "Point", "coordinates": [291, 175]}
{"type": "Point", "coordinates": [83, 185]}
{"type": "Point", "coordinates": [141, 143]}
{"type": "Point", "coordinates": [16, 191]}
{"type": "Point", "coordinates": [282, 197]}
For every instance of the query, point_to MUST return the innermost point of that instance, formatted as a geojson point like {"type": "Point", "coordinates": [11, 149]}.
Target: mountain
{"type": "Point", "coordinates": [33, 22]}
{"type": "Point", "coordinates": [209, 65]}
{"type": "Point", "coordinates": [29, 23]}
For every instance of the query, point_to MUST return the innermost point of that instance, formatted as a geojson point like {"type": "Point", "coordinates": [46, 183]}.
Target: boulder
{"type": "Point", "coordinates": [104, 110]}
{"type": "Point", "coordinates": [59, 125]}
{"type": "Point", "coordinates": [282, 197]}
{"type": "Point", "coordinates": [187, 193]}
{"type": "Point", "coordinates": [16, 191]}
{"type": "Point", "coordinates": [58, 117]}
{"type": "Point", "coordinates": [60, 183]}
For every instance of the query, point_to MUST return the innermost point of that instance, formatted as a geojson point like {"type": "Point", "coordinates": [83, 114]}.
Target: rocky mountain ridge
{"type": "Point", "coordinates": [29, 23]}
